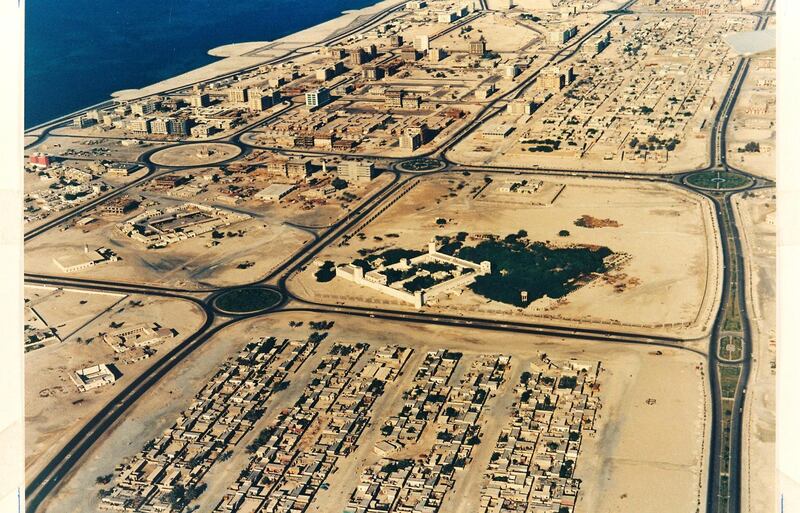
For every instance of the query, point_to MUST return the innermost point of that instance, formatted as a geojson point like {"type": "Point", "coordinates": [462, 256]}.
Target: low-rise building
{"type": "Point", "coordinates": [93, 377]}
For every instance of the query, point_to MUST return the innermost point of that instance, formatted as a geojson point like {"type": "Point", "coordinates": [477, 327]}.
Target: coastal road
{"type": "Point", "coordinates": [43, 484]}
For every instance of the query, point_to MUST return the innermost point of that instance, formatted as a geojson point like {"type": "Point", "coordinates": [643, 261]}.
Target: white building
{"type": "Point", "coordinates": [275, 192]}
{"type": "Point", "coordinates": [93, 377]}
{"type": "Point", "coordinates": [318, 97]}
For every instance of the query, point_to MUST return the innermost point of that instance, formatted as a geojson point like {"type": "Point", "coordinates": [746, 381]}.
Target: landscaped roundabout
{"type": "Point", "coordinates": [421, 164]}
{"type": "Point", "coordinates": [718, 180]}
{"type": "Point", "coordinates": [246, 301]}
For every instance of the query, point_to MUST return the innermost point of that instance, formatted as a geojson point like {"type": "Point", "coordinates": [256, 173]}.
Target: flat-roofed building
{"type": "Point", "coordinates": [159, 126]}
{"type": "Point", "coordinates": [93, 377]}
{"type": "Point", "coordinates": [520, 107]}
{"type": "Point", "coordinates": [318, 98]}
{"type": "Point", "coordinates": [324, 74]}
{"type": "Point", "coordinates": [372, 72]}
{"type": "Point", "coordinates": [478, 48]}
{"type": "Point", "coordinates": [145, 108]}
{"type": "Point", "coordinates": [436, 55]}
{"type": "Point", "coordinates": [275, 192]}
{"type": "Point", "coordinates": [200, 100]}
{"type": "Point", "coordinates": [500, 131]}
{"type": "Point", "coordinates": [412, 138]}
{"type": "Point", "coordinates": [358, 57]}
{"type": "Point", "coordinates": [237, 95]}
{"type": "Point", "coordinates": [298, 167]}
{"type": "Point", "coordinates": [76, 262]}
{"type": "Point", "coordinates": [259, 101]}
{"type": "Point", "coordinates": [357, 170]}
{"type": "Point", "coordinates": [119, 205]}
{"type": "Point", "coordinates": [409, 54]}
{"type": "Point", "coordinates": [140, 125]}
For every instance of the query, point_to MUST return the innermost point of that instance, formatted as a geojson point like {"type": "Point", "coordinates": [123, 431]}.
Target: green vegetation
{"type": "Point", "coordinates": [180, 497]}
{"type": "Point", "coordinates": [540, 270]}
{"type": "Point", "coordinates": [751, 147]}
{"type": "Point", "coordinates": [321, 325]}
{"type": "Point", "coordinates": [567, 382]}
{"type": "Point", "coordinates": [394, 466]}
{"type": "Point", "coordinates": [421, 165]}
{"type": "Point", "coordinates": [104, 479]}
{"type": "Point", "coordinates": [563, 233]}
{"type": "Point", "coordinates": [717, 180]}
{"type": "Point", "coordinates": [730, 348]}
{"type": "Point", "coordinates": [728, 380]}
{"type": "Point", "coordinates": [326, 272]}
{"type": "Point", "coordinates": [419, 283]}
{"type": "Point", "coordinates": [388, 257]}
{"type": "Point", "coordinates": [263, 437]}
{"type": "Point", "coordinates": [247, 300]}
{"type": "Point", "coordinates": [566, 469]}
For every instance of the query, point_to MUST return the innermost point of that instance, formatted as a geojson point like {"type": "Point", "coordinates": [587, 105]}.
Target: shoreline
{"type": "Point", "coordinates": [234, 57]}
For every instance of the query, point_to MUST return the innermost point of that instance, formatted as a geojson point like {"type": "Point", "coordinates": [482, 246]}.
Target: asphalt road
{"type": "Point", "coordinates": [42, 485]}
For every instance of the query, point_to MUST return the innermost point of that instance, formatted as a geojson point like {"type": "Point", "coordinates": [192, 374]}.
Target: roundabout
{"type": "Point", "coordinates": [246, 301]}
{"type": "Point", "coordinates": [718, 180]}
{"type": "Point", "coordinates": [195, 154]}
{"type": "Point", "coordinates": [421, 165]}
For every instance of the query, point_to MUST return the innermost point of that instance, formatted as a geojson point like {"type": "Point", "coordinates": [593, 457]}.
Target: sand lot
{"type": "Point", "coordinates": [753, 215]}
{"type": "Point", "coordinates": [673, 295]}
{"type": "Point", "coordinates": [638, 466]}
{"type": "Point", "coordinates": [753, 120]}
{"type": "Point", "coordinates": [47, 383]}
{"type": "Point", "coordinates": [110, 149]}
{"type": "Point", "coordinates": [189, 263]}
{"type": "Point", "coordinates": [199, 154]}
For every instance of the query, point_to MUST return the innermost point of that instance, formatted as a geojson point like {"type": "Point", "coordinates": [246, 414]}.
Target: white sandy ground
{"type": "Point", "coordinates": [199, 154]}
{"type": "Point", "coordinates": [759, 127]}
{"type": "Point", "coordinates": [238, 60]}
{"type": "Point", "coordinates": [651, 455]}
{"type": "Point", "coordinates": [51, 415]}
{"type": "Point", "coordinates": [758, 455]}
{"type": "Point", "coordinates": [189, 263]}
{"type": "Point", "coordinates": [672, 278]}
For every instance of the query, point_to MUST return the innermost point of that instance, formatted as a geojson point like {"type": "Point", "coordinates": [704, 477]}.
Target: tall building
{"type": "Point", "coordinates": [178, 126]}
{"type": "Point", "coordinates": [317, 97]}
{"type": "Point", "coordinates": [324, 74]}
{"type": "Point", "coordinates": [200, 100]}
{"type": "Point", "coordinates": [412, 138]}
{"type": "Point", "coordinates": [237, 95]}
{"type": "Point", "coordinates": [552, 79]}
{"type": "Point", "coordinates": [422, 43]}
{"type": "Point", "coordinates": [409, 54]}
{"type": "Point", "coordinates": [141, 125]}
{"type": "Point", "coordinates": [396, 41]}
{"type": "Point", "coordinates": [372, 72]}
{"type": "Point", "coordinates": [478, 48]}
{"type": "Point", "coordinates": [358, 57]}
{"type": "Point", "coordinates": [145, 108]}
{"type": "Point", "coordinates": [357, 171]}
{"type": "Point", "coordinates": [259, 101]}
{"type": "Point", "coordinates": [436, 55]}
{"type": "Point", "coordinates": [520, 108]}
{"type": "Point", "coordinates": [159, 126]}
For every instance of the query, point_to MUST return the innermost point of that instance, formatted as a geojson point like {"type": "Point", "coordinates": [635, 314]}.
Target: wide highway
{"type": "Point", "coordinates": [41, 486]}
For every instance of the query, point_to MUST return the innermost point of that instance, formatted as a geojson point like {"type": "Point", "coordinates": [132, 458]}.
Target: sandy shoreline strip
{"type": "Point", "coordinates": [246, 54]}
